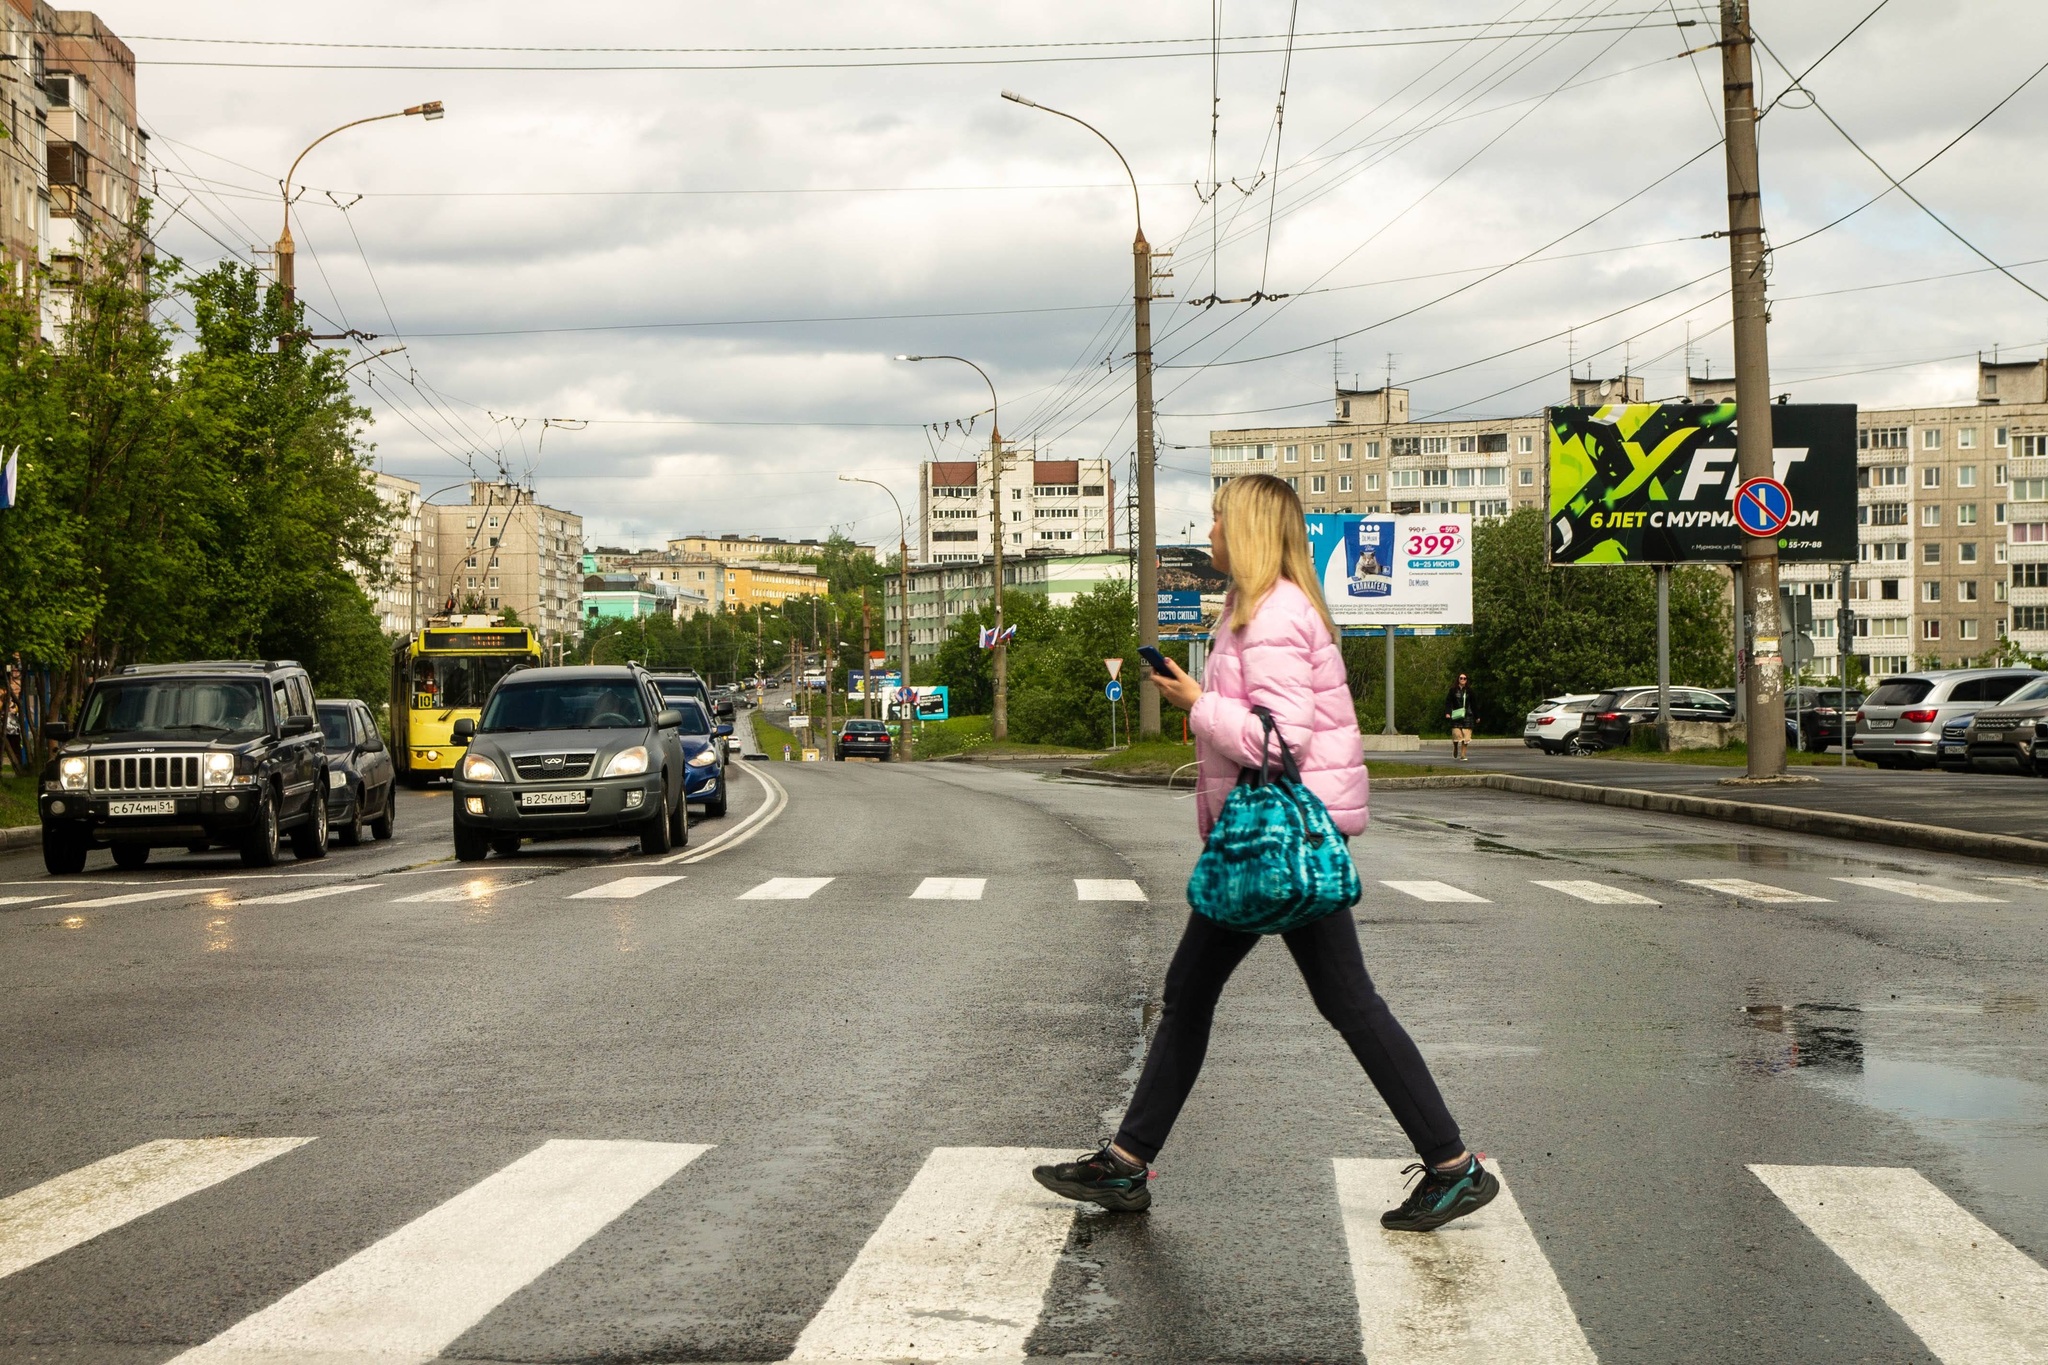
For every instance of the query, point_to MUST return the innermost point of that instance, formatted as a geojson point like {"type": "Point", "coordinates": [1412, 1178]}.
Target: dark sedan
{"type": "Point", "coordinates": [362, 781]}
{"type": "Point", "coordinates": [863, 739]}
{"type": "Point", "coordinates": [1817, 712]}
{"type": "Point", "coordinates": [1609, 717]}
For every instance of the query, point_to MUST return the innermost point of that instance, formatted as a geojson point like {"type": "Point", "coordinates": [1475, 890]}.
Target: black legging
{"type": "Point", "coordinates": [1327, 953]}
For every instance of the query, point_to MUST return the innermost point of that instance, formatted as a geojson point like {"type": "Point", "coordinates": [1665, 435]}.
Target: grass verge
{"type": "Point", "coordinates": [18, 801]}
{"type": "Point", "coordinates": [975, 735]}
{"type": "Point", "coordinates": [1734, 756]}
{"type": "Point", "coordinates": [771, 737]}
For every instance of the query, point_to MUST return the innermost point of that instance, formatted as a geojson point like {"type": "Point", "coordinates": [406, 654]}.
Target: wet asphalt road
{"type": "Point", "coordinates": [1623, 1062]}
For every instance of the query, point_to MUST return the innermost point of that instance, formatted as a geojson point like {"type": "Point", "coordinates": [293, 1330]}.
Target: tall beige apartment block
{"type": "Point", "coordinates": [503, 550]}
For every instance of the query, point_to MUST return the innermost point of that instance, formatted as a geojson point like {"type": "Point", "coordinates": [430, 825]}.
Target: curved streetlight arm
{"type": "Point", "coordinates": [430, 111]}
{"type": "Point", "coordinates": [994, 405]}
{"type": "Point", "coordinates": [902, 526]}
{"type": "Point", "coordinates": [1137, 204]}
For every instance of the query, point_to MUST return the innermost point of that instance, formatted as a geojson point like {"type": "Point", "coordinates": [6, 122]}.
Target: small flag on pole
{"type": "Point", "coordinates": [988, 637]}
{"type": "Point", "coordinates": [10, 476]}
{"type": "Point", "coordinates": [1009, 634]}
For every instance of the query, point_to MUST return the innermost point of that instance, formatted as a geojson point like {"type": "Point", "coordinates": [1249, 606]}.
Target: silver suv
{"type": "Point", "coordinates": [1901, 719]}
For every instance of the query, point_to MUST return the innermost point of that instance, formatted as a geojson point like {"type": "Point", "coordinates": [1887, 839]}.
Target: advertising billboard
{"type": "Point", "coordinates": [1397, 569]}
{"type": "Point", "coordinates": [1655, 483]}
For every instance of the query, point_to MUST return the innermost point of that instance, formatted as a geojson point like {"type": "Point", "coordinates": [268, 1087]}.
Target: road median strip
{"type": "Point", "coordinates": [1829, 824]}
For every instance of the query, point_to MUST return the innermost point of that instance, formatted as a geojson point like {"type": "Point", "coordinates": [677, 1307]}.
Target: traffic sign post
{"type": "Point", "coordinates": [1763, 506]}
{"type": "Point", "coordinates": [1115, 692]}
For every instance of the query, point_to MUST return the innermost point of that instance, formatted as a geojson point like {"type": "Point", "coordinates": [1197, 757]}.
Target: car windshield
{"type": "Point", "coordinates": [335, 728]}
{"type": "Point", "coordinates": [2033, 691]}
{"type": "Point", "coordinates": [174, 708]}
{"type": "Point", "coordinates": [693, 722]}
{"type": "Point", "coordinates": [447, 682]}
{"type": "Point", "coordinates": [1900, 692]}
{"type": "Point", "coordinates": [579, 704]}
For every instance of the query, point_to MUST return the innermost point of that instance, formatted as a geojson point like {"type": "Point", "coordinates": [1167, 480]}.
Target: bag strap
{"type": "Point", "coordinates": [1288, 767]}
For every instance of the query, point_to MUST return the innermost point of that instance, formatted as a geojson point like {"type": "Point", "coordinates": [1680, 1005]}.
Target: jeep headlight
{"type": "Point", "coordinates": [477, 768]}
{"type": "Point", "coordinates": [218, 770]}
{"type": "Point", "coordinates": [71, 774]}
{"type": "Point", "coordinates": [704, 758]}
{"type": "Point", "coordinates": [336, 778]}
{"type": "Point", "coordinates": [627, 762]}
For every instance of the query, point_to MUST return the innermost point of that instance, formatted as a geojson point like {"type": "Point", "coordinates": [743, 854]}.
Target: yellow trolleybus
{"type": "Point", "coordinates": [441, 675]}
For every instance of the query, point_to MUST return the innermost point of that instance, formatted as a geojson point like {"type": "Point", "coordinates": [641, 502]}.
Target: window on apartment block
{"type": "Point", "coordinates": [1930, 630]}
{"type": "Point", "coordinates": [2030, 618]}
{"type": "Point", "coordinates": [1882, 552]}
{"type": "Point", "coordinates": [1930, 475]}
{"type": "Point", "coordinates": [1930, 439]}
{"type": "Point", "coordinates": [2033, 447]}
{"type": "Point", "coordinates": [1525, 477]}
{"type": "Point", "coordinates": [1881, 438]}
{"type": "Point", "coordinates": [1315, 454]}
{"type": "Point", "coordinates": [1966, 630]}
{"type": "Point", "coordinates": [2028, 532]}
{"type": "Point", "coordinates": [1295, 484]}
{"type": "Point", "coordinates": [2030, 490]}
{"type": "Point", "coordinates": [1966, 591]}
{"type": "Point", "coordinates": [1525, 445]}
{"type": "Point", "coordinates": [1966, 438]}
{"type": "Point", "coordinates": [1318, 483]}
{"type": "Point", "coordinates": [1343, 451]}
{"type": "Point", "coordinates": [1930, 515]}
{"type": "Point", "coordinates": [1372, 450]}
{"type": "Point", "coordinates": [1930, 553]}
{"type": "Point", "coordinates": [1881, 514]}
{"type": "Point", "coordinates": [1930, 591]}
{"type": "Point", "coordinates": [1343, 483]}
{"type": "Point", "coordinates": [1372, 483]}
{"type": "Point", "coordinates": [1404, 478]}
{"type": "Point", "coordinates": [1465, 445]}
{"type": "Point", "coordinates": [1436, 478]}
{"type": "Point", "coordinates": [1966, 514]}
{"type": "Point", "coordinates": [1291, 455]}
{"type": "Point", "coordinates": [1436, 445]}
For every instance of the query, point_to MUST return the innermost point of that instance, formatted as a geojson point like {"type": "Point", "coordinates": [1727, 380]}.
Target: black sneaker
{"type": "Point", "coordinates": [1100, 1177]}
{"type": "Point", "coordinates": [1441, 1196]}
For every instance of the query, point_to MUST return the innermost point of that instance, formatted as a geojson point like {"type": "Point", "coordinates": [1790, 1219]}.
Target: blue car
{"type": "Point", "coordinates": [1951, 751]}
{"type": "Point", "coordinates": [704, 753]}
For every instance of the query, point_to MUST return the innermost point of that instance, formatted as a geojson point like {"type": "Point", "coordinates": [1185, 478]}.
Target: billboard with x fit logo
{"type": "Point", "coordinates": [1654, 483]}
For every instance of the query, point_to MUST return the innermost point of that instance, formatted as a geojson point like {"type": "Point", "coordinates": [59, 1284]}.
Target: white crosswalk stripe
{"type": "Point", "coordinates": [482, 888]}
{"type": "Point", "coordinates": [624, 888]}
{"type": "Point", "coordinates": [139, 897]}
{"type": "Point", "coordinates": [1107, 889]}
{"type": "Point", "coordinates": [24, 900]}
{"type": "Point", "coordinates": [311, 893]}
{"type": "Point", "coordinates": [1476, 1291]}
{"type": "Point", "coordinates": [1754, 891]}
{"type": "Point", "coordinates": [407, 1297]}
{"type": "Point", "coordinates": [1970, 1295]}
{"type": "Point", "coordinates": [787, 889]}
{"type": "Point", "coordinates": [1599, 893]}
{"type": "Point", "coordinates": [957, 1270]}
{"type": "Point", "coordinates": [1439, 892]}
{"type": "Point", "coordinates": [949, 889]}
{"type": "Point", "coordinates": [79, 1205]}
{"type": "Point", "coordinates": [1921, 891]}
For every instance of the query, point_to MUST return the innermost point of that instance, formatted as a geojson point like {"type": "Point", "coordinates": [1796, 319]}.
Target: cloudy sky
{"type": "Point", "coordinates": [696, 234]}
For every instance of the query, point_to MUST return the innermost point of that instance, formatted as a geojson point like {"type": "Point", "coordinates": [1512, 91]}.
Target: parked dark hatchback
{"type": "Point", "coordinates": [187, 756]}
{"type": "Point", "coordinates": [863, 739]}
{"type": "Point", "coordinates": [1817, 714]}
{"type": "Point", "coordinates": [563, 752]}
{"type": "Point", "coordinates": [362, 781]}
{"type": "Point", "coordinates": [1608, 717]}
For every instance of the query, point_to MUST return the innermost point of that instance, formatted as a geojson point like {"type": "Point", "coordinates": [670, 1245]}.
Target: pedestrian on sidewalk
{"type": "Point", "coordinates": [1461, 713]}
{"type": "Point", "coordinates": [1275, 648]}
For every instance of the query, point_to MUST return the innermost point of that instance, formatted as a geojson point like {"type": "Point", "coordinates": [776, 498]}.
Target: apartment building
{"type": "Point", "coordinates": [402, 585]}
{"type": "Point", "coordinates": [1057, 506]}
{"type": "Point", "coordinates": [504, 550]}
{"type": "Point", "coordinates": [94, 147]}
{"type": "Point", "coordinates": [732, 548]}
{"type": "Point", "coordinates": [1371, 456]}
{"type": "Point", "coordinates": [941, 593]}
{"type": "Point", "coordinates": [692, 575]}
{"type": "Point", "coordinates": [762, 584]}
{"type": "Point", "coordinates": [24, 182]}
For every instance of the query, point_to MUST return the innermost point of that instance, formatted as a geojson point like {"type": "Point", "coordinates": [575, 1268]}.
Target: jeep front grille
{"type": "Point", "coordinates": [146, 772]}
{"type": "Point", "coordinates": [543, 767]}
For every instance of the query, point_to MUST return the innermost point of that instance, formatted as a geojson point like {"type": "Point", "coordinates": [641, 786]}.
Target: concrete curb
{"type": "Point", "coordinates": [1828, 824]}
{"type": "Point", "coordinates": [21, 836]}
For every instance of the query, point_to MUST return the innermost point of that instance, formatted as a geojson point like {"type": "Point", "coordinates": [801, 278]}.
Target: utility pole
{"type": "Point", "coordinates": [1148, 519]}
{"type": "Point", "coordinates": [999, 718]}
{"type": "Point", "coordinates": [903, 626]}
{"type": "Point", "coordinates": [1764, 689]}
{"type": "Point", "coordinates": [867, 663]}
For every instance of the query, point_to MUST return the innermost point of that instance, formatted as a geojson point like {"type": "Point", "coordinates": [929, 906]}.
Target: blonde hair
{"type": "Point", "coordinates": [1267, 540]}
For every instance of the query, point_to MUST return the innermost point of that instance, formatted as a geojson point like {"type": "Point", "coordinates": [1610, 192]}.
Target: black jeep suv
{"type": "Point", "coordinates": [187, 756]}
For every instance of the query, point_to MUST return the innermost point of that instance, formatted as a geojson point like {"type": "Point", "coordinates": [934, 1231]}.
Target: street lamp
{"type": "Point", "coordinates": [903, 599]}
{"type": "Point", "coordinates": [1148, 537]}
{"type": "Point", "coordinates": [999, 721]}
{"type": "Point", "coordinates": [430, 111]}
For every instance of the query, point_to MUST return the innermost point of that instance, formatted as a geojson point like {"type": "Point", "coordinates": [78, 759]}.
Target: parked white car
{"type": "Point", "coordinates": [1554, 725]}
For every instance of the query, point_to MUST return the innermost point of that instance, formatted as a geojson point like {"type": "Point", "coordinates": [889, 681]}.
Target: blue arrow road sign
{"type": "Point", "coordinates": [1114, 691]}
{"type": "Point", "coordinates": [1763, 506]}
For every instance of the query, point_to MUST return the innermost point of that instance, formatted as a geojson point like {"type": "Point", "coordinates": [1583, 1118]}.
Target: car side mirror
{"type": "Point", "coordinates": [464, 731]}
{"type": "Point", "coordinates": [294, 726]}
{"type": "Point", "coordinates": [57, 731]}
{"type": "Point", "coordinates": [721, 730]}
{"type": "Point", "coordinates": [668, 720]}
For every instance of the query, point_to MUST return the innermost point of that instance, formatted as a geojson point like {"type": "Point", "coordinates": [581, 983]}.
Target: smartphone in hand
{"type": "Point", "coordinates": [1154, 660]}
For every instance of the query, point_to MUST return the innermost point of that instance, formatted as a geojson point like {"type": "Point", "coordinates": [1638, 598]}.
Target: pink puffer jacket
{"type": "Point", "coordinates": [1286, 662]}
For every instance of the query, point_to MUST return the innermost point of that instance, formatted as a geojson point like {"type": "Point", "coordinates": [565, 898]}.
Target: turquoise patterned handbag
{"type": "Point", "coordinates": [1274, 860]}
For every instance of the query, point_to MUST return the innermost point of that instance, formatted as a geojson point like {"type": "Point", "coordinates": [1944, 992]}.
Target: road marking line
{"type": "Point", "coordinates": [467, 891]}
{"type": "Point", "coordinates": [1107, 889]}
{"type": "Point", "coordinates": [949, 889]}
{"type": "Point", "coordinates": [311, 893]}
{"type": "Point", "coordinates": [624, 888]}
{"type": "Point", "coordinates": [1922, 891]}
{"type": "Point", "coordinates": [406, 1298]}
{"type": "Point", "coordinates": [763, 816]}
{"type": "Point", "coordinates": [79, 1205]}
{"type": "Point", "coordinates": [1969, 1294]}
{"type": "Point", "coordinates": [1441, 892]}
{"type": "Point", "coordinates": [1755, 891]}
{"type": "Point", "coordinates": [787, 889]}
{"type": "Point", "coordinates": [1474, 1291]}
{"type": "Point", "coordinates": [24, 900]}
{"type": "Point", "coordinates": [2036, 883]}
{"type": "Point", "coordinates": [1599, 893]}
{"type": "Point", "coordinates": [958, 1269]}
{"type": "Point", "coordinates": [137, 897]}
